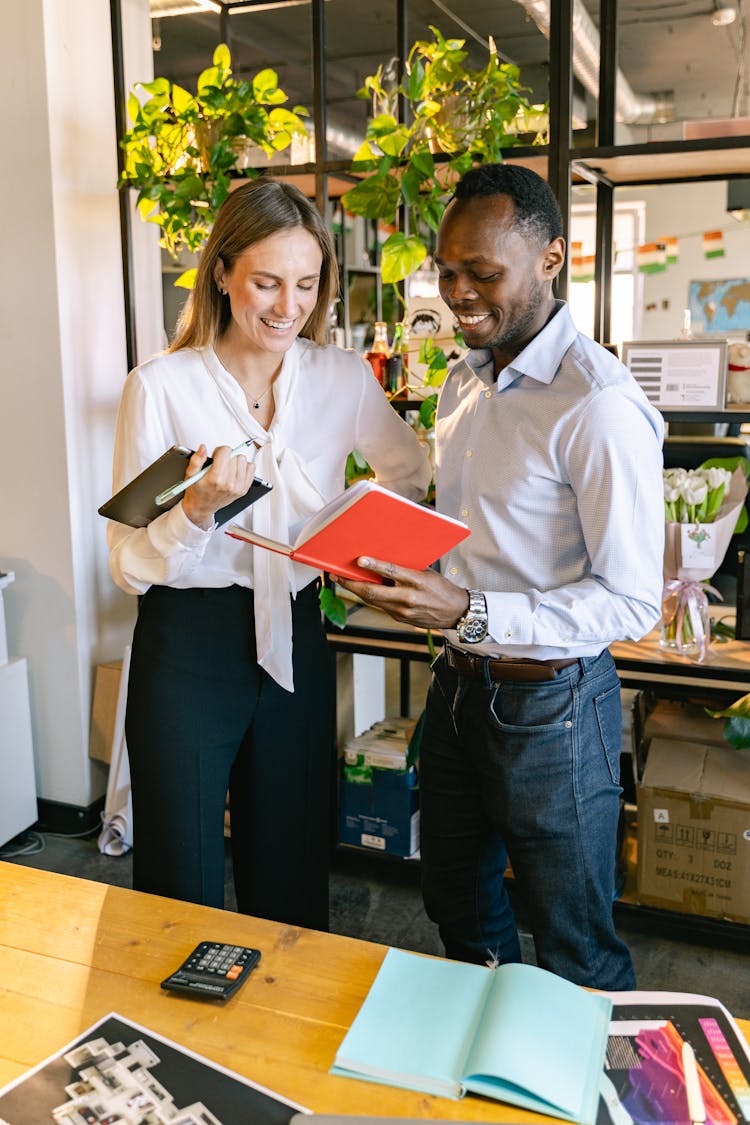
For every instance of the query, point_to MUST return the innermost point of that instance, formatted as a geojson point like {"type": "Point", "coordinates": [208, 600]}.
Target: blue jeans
{"type": "Point", "coordinates": [529, 772]}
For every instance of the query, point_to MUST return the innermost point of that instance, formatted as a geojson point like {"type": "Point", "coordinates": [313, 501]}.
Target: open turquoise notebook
{"type": "Point", "coordinates": [517, 1033]}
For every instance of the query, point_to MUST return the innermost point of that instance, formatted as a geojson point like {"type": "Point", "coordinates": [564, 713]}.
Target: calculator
{"type": "Point", "coordinates": [214, 970]}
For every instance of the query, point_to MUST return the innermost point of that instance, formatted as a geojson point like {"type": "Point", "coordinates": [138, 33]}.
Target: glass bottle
{"type": "Point", "coordinates": [379, 353]}
{"type": "Point", "coordinates": [405, 354]}
{"type": "Point", "coordinates": [396, 363]}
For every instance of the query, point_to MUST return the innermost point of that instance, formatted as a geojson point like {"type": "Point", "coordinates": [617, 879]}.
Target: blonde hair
{"type": "Point", "coordinates": [249, 214]}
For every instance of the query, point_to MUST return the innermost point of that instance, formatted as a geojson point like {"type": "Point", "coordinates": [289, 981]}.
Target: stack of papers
{"type": "Point", "coordinates": [384, 746]}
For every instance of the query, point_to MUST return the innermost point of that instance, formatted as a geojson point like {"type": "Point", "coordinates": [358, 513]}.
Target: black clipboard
{"type": "Point", "coordinates": [135, 504]}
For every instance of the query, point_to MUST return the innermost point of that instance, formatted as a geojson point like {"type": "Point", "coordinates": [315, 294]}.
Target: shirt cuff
{"type": "Point", "coordinates": [509, 619]}
{"type": "Point", "coordinates": [173, 532]}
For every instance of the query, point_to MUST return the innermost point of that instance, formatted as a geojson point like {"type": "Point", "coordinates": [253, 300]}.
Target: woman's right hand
{"type": "Point", "coordinates": [227, 479]}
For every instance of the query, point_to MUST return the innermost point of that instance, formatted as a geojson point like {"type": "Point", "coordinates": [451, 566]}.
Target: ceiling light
{"type": "Point", "coordinates": [240, 6]}
{"type": "Point", "coordinates": [722, 17]}
{"type": "Point", "coordinates": [162, 8]}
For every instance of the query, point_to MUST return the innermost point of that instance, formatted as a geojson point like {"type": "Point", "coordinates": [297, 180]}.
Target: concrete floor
{"type": "Point", "coordinates": [379, 900]}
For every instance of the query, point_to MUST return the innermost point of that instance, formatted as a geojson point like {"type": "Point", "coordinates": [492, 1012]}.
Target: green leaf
{"type": "Point", "coordinates": [730, 464]}
{"type": "Point", "coordinates": [416, 81]}
{"type": "Point", "coordinates": [424, 162]}
{"type": "Point", "coordinates": [182, 100]}
{"type": "Point", "coordinates": [427, 411]}
{"type": "Point", "coordinates": [364, 152]}
{"type": "Point", "coordinates": [332, 607]}
{"type": "Point", "coordinates": [400, 255]}
{"type": "Point", "coordinates": [376, 197]}
{"type": "Point", "coordinates": [209, 79]}
{"type": "Point", "coordinates": [191, 187]}
{"type": "Point", "coordinates": [145, 207]}
{"type": "Point", "coordinates": [159, 88]}
{"type": "Point", "coordinates": [285, 119]}
{"type": "Point", "coordinates": [740, 708]}
{"type": "Point", "coordinates": [186, 280]}
{"type": "Point", "coordinates": [410, 184]}
{"type": "Point", "coordinates": [265, 83]}
{"type": "Point", "coordinates": [222, 57]}
{"type": "Point", "coordinates": [431, 211]}
{"type": "Point", "coordinates": [737, 732]}
{"type": "Point", "coordinates": [356, 468]}
{"type": "Point", "coordinates": [134, 107]}
{"type": "Point", "coordinates": [393, 144]}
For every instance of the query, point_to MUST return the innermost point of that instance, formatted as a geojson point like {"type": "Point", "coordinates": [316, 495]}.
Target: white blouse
{"type": "Point", "coordinates": [327, 403]}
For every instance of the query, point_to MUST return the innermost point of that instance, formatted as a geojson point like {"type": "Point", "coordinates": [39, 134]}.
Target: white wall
{"type": "Point", "coordinates": [62, 365]}
{"type": "Point", "coordinates": [686, 210]}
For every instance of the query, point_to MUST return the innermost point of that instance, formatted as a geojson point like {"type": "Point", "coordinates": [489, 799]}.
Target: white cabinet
{"type": "Point", "coordinates": [17, 782]}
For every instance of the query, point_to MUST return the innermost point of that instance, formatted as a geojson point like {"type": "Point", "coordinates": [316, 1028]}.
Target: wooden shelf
{"type": "Point", "coordinates": [733, 414]}
{"type": "Point", "coordinates": [664, 162]}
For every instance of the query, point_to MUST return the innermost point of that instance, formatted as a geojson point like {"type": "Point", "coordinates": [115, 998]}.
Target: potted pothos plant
{"type": "Point", "coordinates": [456, 116]}
{"type": "Point", "coordinates": [183, 148]}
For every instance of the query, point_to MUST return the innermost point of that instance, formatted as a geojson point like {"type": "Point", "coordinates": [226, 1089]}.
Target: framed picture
{"type": "Point", "coordinates": [680, 374]}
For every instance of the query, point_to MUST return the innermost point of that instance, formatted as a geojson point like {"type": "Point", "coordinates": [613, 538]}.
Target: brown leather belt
{"type": "Point", "coordinates": [476, 667]}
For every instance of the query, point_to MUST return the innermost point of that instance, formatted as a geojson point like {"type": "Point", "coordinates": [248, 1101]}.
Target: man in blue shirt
{"type": "Point", "coordinates": [548, 449]}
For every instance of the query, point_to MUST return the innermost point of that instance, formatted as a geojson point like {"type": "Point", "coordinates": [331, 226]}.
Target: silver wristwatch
{"type": "Point", "coordinates": [473, 626]}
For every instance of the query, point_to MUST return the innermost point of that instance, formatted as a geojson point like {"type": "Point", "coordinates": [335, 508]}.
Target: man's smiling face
{"type": "Point", "coordinates": [496, 280]}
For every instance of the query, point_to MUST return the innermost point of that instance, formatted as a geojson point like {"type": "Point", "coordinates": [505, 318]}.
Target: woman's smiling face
{"type": "Point", "coordinates": [273, 289]}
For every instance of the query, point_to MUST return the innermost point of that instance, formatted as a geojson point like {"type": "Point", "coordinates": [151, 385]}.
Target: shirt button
{"type": "Point", "coordinates": [464, 513]}
{"type": "Point", "coordinates": [469, 452]}
{"type": "Point", "coordinates": [488, 394]}
{"type": "Point", "coordinates": [454, 570]}
{"type": "Point", "coordinates": [507, 634]}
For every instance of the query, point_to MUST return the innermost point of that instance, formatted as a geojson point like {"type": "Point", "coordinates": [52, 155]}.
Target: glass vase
{"type": "Point", "coordinates": [678, 633]}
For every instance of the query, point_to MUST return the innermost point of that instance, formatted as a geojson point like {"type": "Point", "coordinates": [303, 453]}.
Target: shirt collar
{"type": "Point", "coordinates": [540, 359]}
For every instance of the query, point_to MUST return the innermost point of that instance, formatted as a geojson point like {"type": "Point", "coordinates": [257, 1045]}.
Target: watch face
{"type": "Point", "coordinates": [472, 630]}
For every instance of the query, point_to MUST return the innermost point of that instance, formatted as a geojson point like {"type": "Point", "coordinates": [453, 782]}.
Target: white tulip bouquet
{"type": "Point", "coordinates": [701, 509]}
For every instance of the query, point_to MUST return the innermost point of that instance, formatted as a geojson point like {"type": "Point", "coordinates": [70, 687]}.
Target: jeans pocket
{"type": "Point", "coordinates": [537, 710]}
{"type": "Point", "coordinates": [609, 718]}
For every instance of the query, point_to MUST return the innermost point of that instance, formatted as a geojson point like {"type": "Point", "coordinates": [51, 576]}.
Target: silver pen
{"type": "Point", "coordinates": [177, 489]}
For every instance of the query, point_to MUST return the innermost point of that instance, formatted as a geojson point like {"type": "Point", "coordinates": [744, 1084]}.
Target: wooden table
{"type": "Point", "coordinates": [72, 950]}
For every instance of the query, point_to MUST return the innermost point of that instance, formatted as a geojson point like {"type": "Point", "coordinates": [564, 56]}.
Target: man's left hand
{"type": "Point", "coordinates": [418, 597]}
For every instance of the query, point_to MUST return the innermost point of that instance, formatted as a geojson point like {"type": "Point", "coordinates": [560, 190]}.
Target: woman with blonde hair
{"type": "Point", "coordinates": [231, 683]}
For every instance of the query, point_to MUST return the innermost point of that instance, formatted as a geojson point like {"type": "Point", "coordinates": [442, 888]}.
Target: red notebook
{"type": "Point", "coordinates": [366, 519]}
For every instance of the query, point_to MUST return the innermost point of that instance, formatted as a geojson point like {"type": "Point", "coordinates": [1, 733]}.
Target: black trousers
{"type": "Point", "coordinates": [203, 719]}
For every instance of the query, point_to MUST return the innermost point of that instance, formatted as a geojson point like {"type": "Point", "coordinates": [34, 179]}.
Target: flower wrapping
{"type": "Point", "coordinates": [692, 554]}
{"type": "Point", "coordinates": [709, 539]}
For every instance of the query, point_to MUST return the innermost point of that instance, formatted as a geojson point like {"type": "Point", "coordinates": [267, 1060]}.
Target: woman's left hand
{"type": "Point", "coordinates": [228, 478]}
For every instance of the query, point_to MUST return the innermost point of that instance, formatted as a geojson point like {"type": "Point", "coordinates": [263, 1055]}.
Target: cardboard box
{"type": "Point", "coordinates": [104, 710]}
{"type": "Point", "coordinates": [382, 813]}
{"type": "Point", "coordinates": [694, 829]}
{"type": "Point", "coordinates": [378, 795]}
{"type": "Point", "coordinates": [676, 720]}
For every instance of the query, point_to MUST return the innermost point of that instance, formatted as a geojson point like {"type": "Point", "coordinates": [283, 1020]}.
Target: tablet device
{"type": "Point", "coordinates": [135, 504]}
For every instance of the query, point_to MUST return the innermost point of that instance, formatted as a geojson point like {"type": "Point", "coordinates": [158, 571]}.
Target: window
{"type": "Point", "coordinates": [627, 283]}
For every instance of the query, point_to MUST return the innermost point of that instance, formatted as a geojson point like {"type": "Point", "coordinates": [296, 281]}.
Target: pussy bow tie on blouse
{"type": "Point", "coordinates": [293, 499]}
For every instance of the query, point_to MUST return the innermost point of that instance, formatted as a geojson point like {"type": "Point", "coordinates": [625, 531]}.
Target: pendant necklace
{"type": "Point", "coordinates": [257, 401]}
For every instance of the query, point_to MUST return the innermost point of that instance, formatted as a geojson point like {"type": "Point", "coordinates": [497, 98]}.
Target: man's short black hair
{"type": "Point", "coordinates": [537, 212]}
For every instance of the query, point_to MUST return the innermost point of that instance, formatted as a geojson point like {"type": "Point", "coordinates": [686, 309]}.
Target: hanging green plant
{"type": "Point", "coordinates": [183, 149]}
{"type": "Point", "coordinates": [458, 115]}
